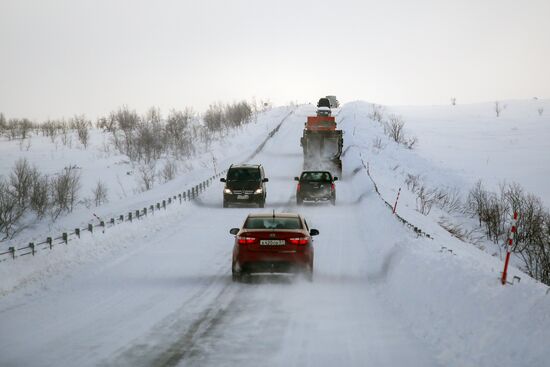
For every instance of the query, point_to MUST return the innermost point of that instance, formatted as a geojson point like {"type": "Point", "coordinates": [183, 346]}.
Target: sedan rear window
{"type": "Point", "coordinates": [272, 223]}
{"type": "Point", "coordinates": [316, 176]}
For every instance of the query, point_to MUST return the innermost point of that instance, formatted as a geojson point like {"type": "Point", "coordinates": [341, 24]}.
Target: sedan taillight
{"type": "Point", "coordinates": [245, 240]}
{"type": "Point", "coordinates": [299, 240]}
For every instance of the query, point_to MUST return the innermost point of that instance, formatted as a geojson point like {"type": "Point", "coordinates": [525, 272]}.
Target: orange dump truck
{"type": "Point", "coordinates": [322, 145]}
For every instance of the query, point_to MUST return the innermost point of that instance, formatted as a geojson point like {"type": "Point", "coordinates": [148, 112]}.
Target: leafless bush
{"type": "Point", "coordinates": [147, 174]}
{"type": "Point", "coordinates": [10, 211]}
{"type": "Point", "coordinates": [238, 113]}
{"type": "Point", "coordinates": [394, 128]}
{"type": "Point", "coordinates": [213, 117]}
{"type": "Point", "coordinates": [3, 124]}
{"type": "Point", "coordinates": [64, 190]}
{"type": "Point", "coordinates": [499, 108]}
{"type": "Point", "coordinates": [412, 182]}
{"type": "Point", "coordinates": [81, 125]}
{"type": "Point", "coordinates": [21, 180]}
{"type": "Point", "coordinates": [169, 171]}
{"type": "Point", "coordinates": [540, 111]}
{"type": "Point", "coordinates": [450, 200]}
{"type": "Point", "coordinates": [40, 199]}
{"type": "Point", "coordinates": [178, 132]}
{"type": "Point", "coordinates": [377, 144]}
{"type": "Point", "coordinates": [425, 199]}
{"type": "Point", "coordinates": [409, 143]}
{"type": "Point", "coordinates": [377, 113]}
{"type": "Point", "coordinates": [100, 193]}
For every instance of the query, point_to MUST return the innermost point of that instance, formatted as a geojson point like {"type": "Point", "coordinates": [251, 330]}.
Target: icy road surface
{"type": "Point", "coordinates": [169, 301]}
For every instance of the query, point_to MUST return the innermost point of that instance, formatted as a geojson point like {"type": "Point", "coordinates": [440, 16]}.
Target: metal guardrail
{"type": "Point", "coordinates": [49, 243]}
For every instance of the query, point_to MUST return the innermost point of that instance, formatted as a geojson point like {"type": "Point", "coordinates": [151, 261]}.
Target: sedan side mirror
{"type": "Point", "coordinates": [265, 180]}
{"type": "Point", "coordinates": [222, 179]}
{"type": "Point", "coordinates": [314, 232]}
{"type": "Point", "coordinates": [296, 178]}
{"type": "Point", "coordinates": [234, 231]}
{"type": "Point", "coordinates": [335, 178]}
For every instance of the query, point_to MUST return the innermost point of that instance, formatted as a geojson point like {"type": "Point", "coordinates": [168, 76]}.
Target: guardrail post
{"type": "Point", "coordinates": [137, 214]}
{"type": "Point", "coordinates": [102, 224]}
{"type": "Point", "coordinates": [121, 218]}
{"type": "Point", "coordinates": [65, 238]}
{"type": "Point", "coordinates": [77, 232]}
{"type": "Point", "coordinates": [169, 200]}
{"type": "Point", "coordinates": [112, 221]}
{"type": "Point", "coordinates": [12, 251]}
{"type": "Point", "coordinates": [158, 206]}
{"type": "Point", "coordinates": [49, 242]}
{"type": "Point", "coordinates": [31, 246]}
{"type": "Point", "coordinates": [145, 211]}
{"type": "Point", "coordinates": [164, 204]}
{"type": "Point", "coordinates": [130, 216]}
{"type": "Point", "coordinates": [90, 227]}
{"type": "Point", "coordinates": [179, 196]}
{"type": "Point", "coordinates": [188, 194]}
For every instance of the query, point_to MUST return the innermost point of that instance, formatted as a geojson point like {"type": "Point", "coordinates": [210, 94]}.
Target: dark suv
{"type": "Point", "coordinates": [245, 184]}
{"type": "Point", "coordinates": [315, 186]}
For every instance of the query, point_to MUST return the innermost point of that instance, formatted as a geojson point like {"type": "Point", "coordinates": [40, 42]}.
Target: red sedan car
{"type": "Point", "coordinates": [273, 243]}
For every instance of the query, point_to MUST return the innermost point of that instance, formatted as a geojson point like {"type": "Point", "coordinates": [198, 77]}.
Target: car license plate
{"type": "Point", "coordinates": [272, 242]}
{"type": "Point", "coordinates": [242, 197]}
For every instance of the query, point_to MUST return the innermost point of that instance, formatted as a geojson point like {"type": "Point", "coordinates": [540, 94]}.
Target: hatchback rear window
{"type": "Point", "coordinates": [272, 223]}
{"type": "Point", "coordinates": [316, 176]}
{"type": "Point", "coordinates": [243, 174]}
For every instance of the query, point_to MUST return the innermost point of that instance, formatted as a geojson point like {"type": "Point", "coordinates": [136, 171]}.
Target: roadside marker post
{"type": "Point", "coordinates": [509, 247]}
{"type": "Point", "coordinates": [396, 200]}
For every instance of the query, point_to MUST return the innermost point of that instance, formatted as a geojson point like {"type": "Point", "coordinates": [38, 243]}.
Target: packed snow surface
{"type": "Point", "coordinates": [158, 291]}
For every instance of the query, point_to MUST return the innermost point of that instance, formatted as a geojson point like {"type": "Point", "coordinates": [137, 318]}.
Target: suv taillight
{"type": "Point", "coordinates": [298, 187]}
{"type": "Point", "coordinates": [332, 187]}
{"type": "Point", "coordinates": [245, 240]}
{"type": "Point", "coordinates": [299, 240]}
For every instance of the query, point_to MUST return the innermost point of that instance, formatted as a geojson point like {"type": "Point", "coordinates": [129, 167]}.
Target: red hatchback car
{"type": "Point", "coordinates": [273, 243]}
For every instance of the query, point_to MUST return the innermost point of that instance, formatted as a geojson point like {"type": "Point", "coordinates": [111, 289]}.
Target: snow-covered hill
{"type": "Point", "coordinates": [158, 291]}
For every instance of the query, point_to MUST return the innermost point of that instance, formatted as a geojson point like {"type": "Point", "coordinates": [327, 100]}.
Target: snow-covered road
{"type": "Point", "coordinates": [169, 299]}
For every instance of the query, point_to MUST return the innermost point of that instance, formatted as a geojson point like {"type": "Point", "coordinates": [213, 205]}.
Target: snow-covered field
{"type": "Point", "coordinates": [158, 291]}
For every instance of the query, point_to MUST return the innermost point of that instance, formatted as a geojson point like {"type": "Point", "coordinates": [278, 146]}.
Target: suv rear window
{"type": "Point", "coordinates": [316, 176]}
{"type": "Point", "coordinates": [244, 174]}
{"type": "Point", "coordinates": [272, 223]}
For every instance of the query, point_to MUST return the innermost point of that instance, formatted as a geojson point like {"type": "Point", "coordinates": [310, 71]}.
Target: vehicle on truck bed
{"type": "Point", "coordinates": [273, 243]}
{"type": "Point", "coordinates": [315, 186]}
{"type": "Point", "coordinates": [245, 184]}
{"type": "Point", "coordinates": [333, 102]}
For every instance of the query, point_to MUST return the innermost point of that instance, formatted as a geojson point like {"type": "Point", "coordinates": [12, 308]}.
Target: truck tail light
{"type": "Point", "coordinates": [298, 187]}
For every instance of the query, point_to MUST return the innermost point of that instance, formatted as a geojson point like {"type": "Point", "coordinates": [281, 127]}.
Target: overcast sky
{"type": "Point", "coordinates": [65, 57]}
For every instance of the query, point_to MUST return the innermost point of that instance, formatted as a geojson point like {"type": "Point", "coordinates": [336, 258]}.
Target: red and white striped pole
{"type": "Point", "coordinates": [397, 199]}
{"type": "Point", "coordinates": [509, 247]}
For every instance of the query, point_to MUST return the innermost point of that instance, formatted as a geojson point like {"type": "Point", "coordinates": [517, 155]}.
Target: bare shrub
{"type": "Point", "coordinates": [81, 125]}
{"type": "Point", "coordinates": [169, 171]}
{"type": "Point", "coordinates": [238, 113]}
{"type": "Point", "coordinates": [499, 108]}
{"type": "Point", "coordinates": [450, 200]}
{"type": "Point", "coordinates": [147, 175]}
{"type": "Point", "coordinates": [64, 190]}
{"type": "Point", "coordinates": [412, 182]}
{"type": "Point", "coordinates": [178, 132]}
{"type": "Point", "coordinates": [40, 199]}
{"type": "Point", "coordinates": [425, 199]}
{"type": "Point", "coordinates": [100, 193]}
{"type": "Point", "coordinates": [409, 143]}
{"type": "Point", "coordinates": [377, 144]}
{"type": "Point", "coordinates": [394, 128]}
{"type": "Point", "coordinates": [3, 124]}
{"type": "Point", "coordinates": [10, 211]}
{"type": "Point", "coordinates": [21, 180]}
{"type": "Point", "coordinates": [377, 113]}
{"type": "Point", "coordinates": [213, 117]}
